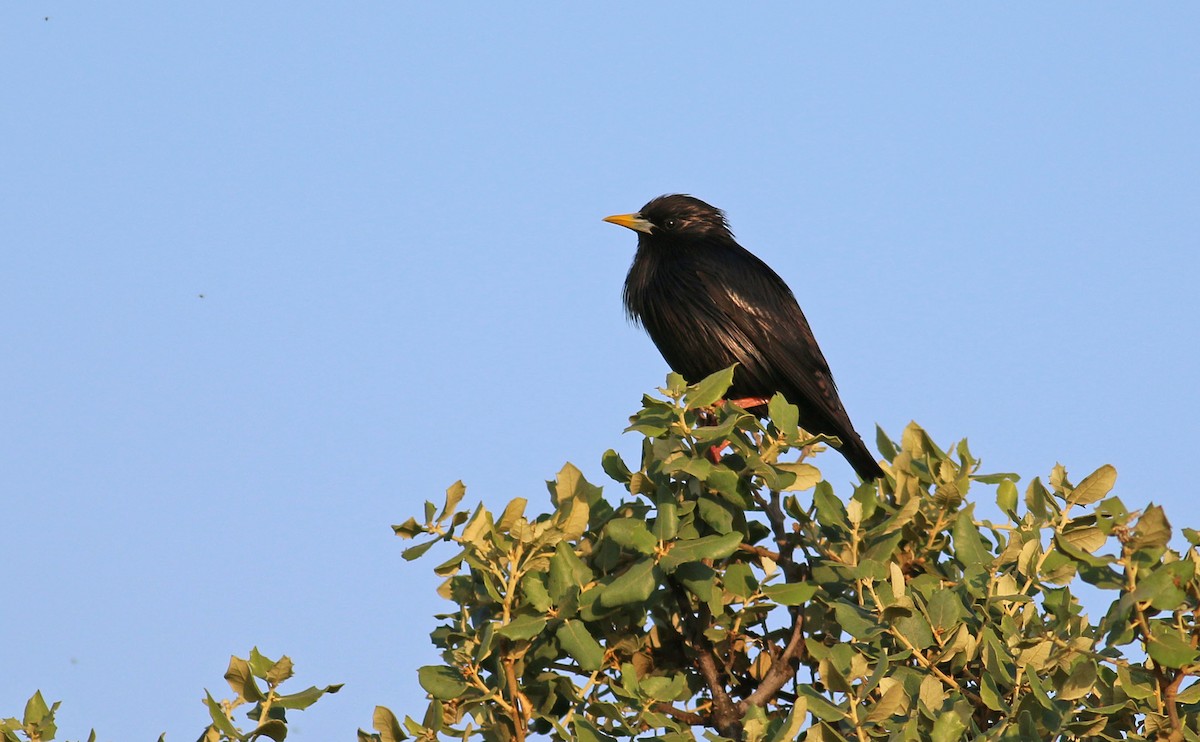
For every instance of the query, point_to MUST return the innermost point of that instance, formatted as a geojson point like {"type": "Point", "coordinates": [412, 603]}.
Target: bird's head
{"type": "Point", "coordinates": [675, 217]}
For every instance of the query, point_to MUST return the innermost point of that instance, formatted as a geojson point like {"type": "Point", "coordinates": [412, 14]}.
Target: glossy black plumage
{"type": "Point", "coordinates": [708, 303]}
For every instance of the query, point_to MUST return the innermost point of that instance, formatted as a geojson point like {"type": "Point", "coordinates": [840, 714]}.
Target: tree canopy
{"type": "Point", "coordinates": [739, 597]}
{"type": "Point", "coordinates": [720, 589]}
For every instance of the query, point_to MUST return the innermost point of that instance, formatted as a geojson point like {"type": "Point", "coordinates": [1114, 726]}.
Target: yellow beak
{"type": "Point", "coordinates": [632, 221]}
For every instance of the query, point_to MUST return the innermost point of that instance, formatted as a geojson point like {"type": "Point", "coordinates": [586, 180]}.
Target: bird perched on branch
{"type": "Point", "coordinates": [707, 303]}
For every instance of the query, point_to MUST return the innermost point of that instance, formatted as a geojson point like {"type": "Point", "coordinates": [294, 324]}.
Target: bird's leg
{"type": "Point", "coordinates": [747, 403]}
{"type": "Point", "coordinates": [706, 417]}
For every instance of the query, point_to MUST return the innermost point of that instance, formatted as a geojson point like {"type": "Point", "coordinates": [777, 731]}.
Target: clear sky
{"type": "Point", "coordinates": [273, 273]}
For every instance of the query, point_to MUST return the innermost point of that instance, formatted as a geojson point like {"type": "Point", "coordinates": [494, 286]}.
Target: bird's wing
{"type": "Point", "coordinates": [772, 340]}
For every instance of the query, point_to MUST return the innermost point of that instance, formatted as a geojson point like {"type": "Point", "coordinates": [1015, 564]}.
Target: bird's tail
{"type": "Point", "coordinates": [861, 458]}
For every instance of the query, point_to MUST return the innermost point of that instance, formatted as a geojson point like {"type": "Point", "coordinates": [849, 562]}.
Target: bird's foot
{"type": "Point", "coordinates": [714, 452]}
{"type": "Point", "coordinates": [747, 403]}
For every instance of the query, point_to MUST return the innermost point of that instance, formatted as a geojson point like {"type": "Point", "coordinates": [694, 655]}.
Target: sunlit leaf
{"type": "Point", "coordinates": [634, 585]}
{"type": "Point", "coordinates": [1080, 682]}
{"type": "Point", "coordinates": [739, 580]}
{"type": "Point", "coordinates": [388, 726]}
{"type": "Point", "coordinates": [632, 534]}
{"type": "Point", "coordinates": [441, 682]}
{"type": "Point", "coordinates": [707, 547]}
{"type": "Point", "coordinates": [1094, 486]}
{"type": "Point", "coordinates": [522, 627]}
{"type": "Point", "coordinates": [785, 415]}
{"type": "Point", "coordinates": [454, 495]}
{"type": "Point", "coordinates": [807, 475]}
{"type": "Point", "coordinates": [241, 680]}
{"type": "Point", "coordinates": [710, 389]}
{"type": "Point", "coordinates": [796, 593]}
{"type": "Point", "coordinates": [577, 642]}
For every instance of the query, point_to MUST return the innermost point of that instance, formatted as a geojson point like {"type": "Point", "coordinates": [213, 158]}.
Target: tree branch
{"type": "Point", "coordinates": [725, 716]}
{"type": "Point", "coordinates": [690, 718]}
{"type": "Point", "coordinates": [782, 669]}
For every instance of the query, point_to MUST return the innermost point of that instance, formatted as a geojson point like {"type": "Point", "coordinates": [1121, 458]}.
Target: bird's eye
{"type": "Point", "coordinates": [670, 224]}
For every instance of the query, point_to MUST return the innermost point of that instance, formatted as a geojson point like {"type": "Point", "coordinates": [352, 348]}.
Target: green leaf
{"type": "Point", "coordinates": [1080, 682]}
{"type": "Point", "coordinates": [1006, 497]}
{"type": "Point", "coordinates": [572, 518]}
{"type": "Point", "coordinates": [280, 671]}
{"type": "Point", "coordinates": [632, 534]}
{"type": "Point", "coordinates": [885, 444]}
{"type": "Point", "coordinates": [634, 585]}
{"type": "Point", "coordinates": [716, 513]}
{"type": "Point", "coordinates": [478, 529]}
{"type": "Point", "coordinates": [273, 728]}
{"type": "Point", "coordinates": [739, 581]}
{"type": "Point", "coordinates": [830, 511]}
{"type": "Point", "coordinates": [409, 528]}
{"type": "Point", "coordinates": [306, 697]}
{"type": "Point", "coordinates": [512, 512]}
{"type": "Point", "coordinates": [807, 475]}
{"type": "Point", "coordinates": [707, 547]}
{"type": "Point", "coordinates": [754, 724]}
{"type": "Point", "coordinates": [712, 388]}
{"type": "Point", "coordinates": [1036, 498]}
{"type": "Point", "coordinates": [388, 726]}
{"type": "Point", "coordinates": [915, 630]}
{"type": "Point", "coordinates": [522, 628]}
{"type": "Point", "coordinates": [698, 578]}
{"type": "Point", "coordinates": [785, 415]}
{"type": "Point", "coordinates": [585, 731]}
{"type": "Point", "coordinates": [219, 720]}
{"type": "Point", "coordinates": [666, 522]}
{"type": "Point", "coordinates": [1136, 690]}
{"type": "Point", "coordinates": [948, 728]}
{"type": "Point", "coordinates": [995, 478]}
{"type": "Point", "coordinates": [570, 484]}
{"type": "Point", "coordinates": [1086, 538]}
{"type": "Point", "coordinates": [441, 682]}
{"type": "Point", "coordinates": [1169, 649]}
{"type": "Point", "coordinates": [1164, 585]}
{"type": "Point", "coordinates": [857, 622]}
{"type": "Point", "coordinates": [1152, 530]}
{"type": "Point", "coordinates": [968, 544]}
{"type": "Point", "coordinates": [574, 638]}
{"type": "Point", "coordinates": [944, 610]}
{"type": "Point", "coordinates": [893, 702]}
{"type": "Point", "coordinates": [1094, 486]}
{"type": "Point", "coordinates": [820, 706]}
{"type": "Point", "coordinates": [534, 590]}
{"type": "Point", "coordinates": [795, 593]}
{"type": "Point", "coordinates": [614, 466]}
{"type": "Point", "coordinates": [241, 680]}
{"type": "Point", "coordinates": [415, 552]}
{"type": "Point", "coordinates": [990, 693]}
{"type": "Point", "coordinates": [567, 573]}
{"type": "Point", "coordinates": [36, 711]}
{"type": "Point", "coordinates": [724, 480]}
{"type": "Point", "coordinates": [454, 495]}
{"type": "Point", "coordinates": [789, 731]}
{"type": "Point", "coordinates": [663, 688]}
{"type": "Point", "coordinates": [435, 716]}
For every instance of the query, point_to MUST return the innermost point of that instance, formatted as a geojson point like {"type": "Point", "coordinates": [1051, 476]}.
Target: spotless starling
{"type": "Point", "coordinates": [707, 303]}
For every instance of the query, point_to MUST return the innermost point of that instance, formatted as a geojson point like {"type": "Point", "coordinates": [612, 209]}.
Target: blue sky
{"type": "Point", "coordinates": [392, 213]}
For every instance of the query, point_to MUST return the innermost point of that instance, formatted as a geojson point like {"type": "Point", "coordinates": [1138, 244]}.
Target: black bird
{"type": "Point", "coordinates": [707, 303]}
